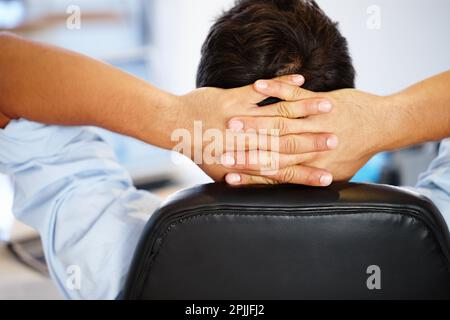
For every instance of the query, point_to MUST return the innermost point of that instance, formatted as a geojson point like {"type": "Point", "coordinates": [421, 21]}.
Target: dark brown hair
{"type": "Point", "coordinates": [262, 39]}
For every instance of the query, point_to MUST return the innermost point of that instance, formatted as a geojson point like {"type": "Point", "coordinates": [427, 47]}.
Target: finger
{"type": "Point", "coordinates": [293, 79]}
{"type": "Point", "coordinates": [236, 179]}
{"type": "Point", "coordinates": [307, 143]}
{"type": "Point", "coordinates": [287, 144]}
{"type": "Point", "coordinates": [300, 174]}
{"type": "Point", "coordinates": [282, 90]}
{"type": "Point", "coordinates": [273, 125]}
{"type": "Point", "coordinates": [296, 80]}
{"type": "Point", "coordinates": [293, 175]}
{"type": "Point", "coordinates": [294, 110]}
{"type": "Point", "coordinates": [259, 160]}
{"type": "Point", "coordinates": [249, 94]}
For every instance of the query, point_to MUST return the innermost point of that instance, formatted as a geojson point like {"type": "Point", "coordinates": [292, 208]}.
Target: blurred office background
{"type": "Point", "coordinates": [393, 44]}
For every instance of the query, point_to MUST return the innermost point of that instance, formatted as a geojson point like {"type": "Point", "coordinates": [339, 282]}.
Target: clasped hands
{"type": "Point", "coordinates": [322, 137]}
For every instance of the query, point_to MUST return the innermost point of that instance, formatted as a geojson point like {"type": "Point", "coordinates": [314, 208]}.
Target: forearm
{"type": "Point", "coordinates": [418, 114]}
{"type": "Point", "coordinates": [54, 86]}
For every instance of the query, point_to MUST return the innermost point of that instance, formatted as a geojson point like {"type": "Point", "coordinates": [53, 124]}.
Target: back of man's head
{"type": "Point", "coordinates": [262, 39]}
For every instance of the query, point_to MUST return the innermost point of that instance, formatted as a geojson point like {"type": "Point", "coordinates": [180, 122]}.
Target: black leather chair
{"type": "Point", "coordinates": [290, 242]}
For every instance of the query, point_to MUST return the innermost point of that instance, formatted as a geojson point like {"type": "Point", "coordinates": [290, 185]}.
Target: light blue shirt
{"type": "Point", "coordinates": [70, 187]}
{"type": "Point", "coordinates": [435, 182]}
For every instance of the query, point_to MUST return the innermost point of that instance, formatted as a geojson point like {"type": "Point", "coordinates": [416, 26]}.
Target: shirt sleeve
{"type": "Point", "coordinates": [69, 186]}
{"type": "Point", "coordinates": [435, 182]}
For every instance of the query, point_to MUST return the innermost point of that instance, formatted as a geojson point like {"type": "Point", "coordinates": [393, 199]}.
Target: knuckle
{"type": "Point", "coordinates": [280, 124]}
{"type": "Point", "coordinates": [269, 181]}
{"type": "Point", "coordinates": [291, 145]}
{"type": "Point", "coordinates": [319, 143]}
{"type": "Point", "coordinates": [251, 180]}
{"type": "Point", "coordinates": [259, 180]}
{"type": "Point", "coordinates": [284, 110]}
{"type": "Point", "coordinates": [288, 175]}
{"type": "Point", "coordinates": [310, 178]}
{"type": "Point", "coordinates": [295, 93]}
{"type": "Point", "coordinates": [273, 161]}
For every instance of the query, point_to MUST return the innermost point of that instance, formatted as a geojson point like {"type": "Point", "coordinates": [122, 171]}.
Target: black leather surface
{"type": "Point", "coordinates": [292, 242]}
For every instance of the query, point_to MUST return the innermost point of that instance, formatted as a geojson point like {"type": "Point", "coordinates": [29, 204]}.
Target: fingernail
{"type": "Point", "coordinates": [233, 178]}
{"type": "Point", "coordinates": [228, 160]}
{"type": "Point", "coordinates": [325, 106]}
{"type": "Point", "coordinates": [332, 142]}
{"type": "Point", "coordinates": [261, 84]}
{"type": "Point", "coordinates": [326, 180]}
{"type": "Point", "coordinates": [298, 79]}
{"type": "Point", "coordinates": [236, 125]}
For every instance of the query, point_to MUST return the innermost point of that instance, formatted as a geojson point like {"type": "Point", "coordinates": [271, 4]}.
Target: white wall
{"type": "Point", "coordinates": [101, 38]}
{"type": "Point", "coordinates": [180, 27]}
{"type": "Point", "coordinates": [413, 42]}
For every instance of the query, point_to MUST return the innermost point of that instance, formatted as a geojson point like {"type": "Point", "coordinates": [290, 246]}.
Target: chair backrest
{"type": "Point", "coordinates": [349, 241]}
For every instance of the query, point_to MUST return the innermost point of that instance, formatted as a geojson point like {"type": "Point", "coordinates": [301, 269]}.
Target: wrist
{"type": "Point", "coordinates": [186, 134]}
{"type": "Point", "coordinates": [156, 117]}
{"type": "Point", "coordinates": [171, 119]}
{"type": "Point", "coordinates": [398, 123]}
{"type": "Point", "coordinates": [378, 124]}
{"type": "Point", "coordinates": [387, 122]}
{"type": "Point", "coordinates": [178, 126]}
{"type": "Point", "coordinates": [168, 120]}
